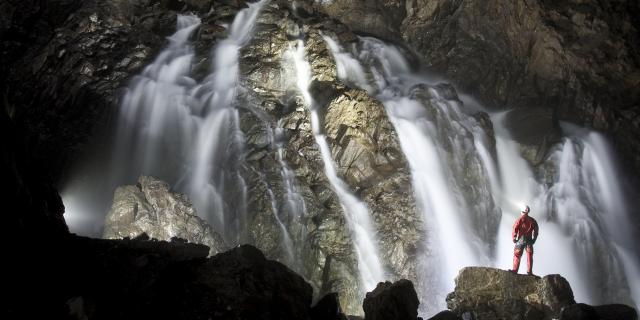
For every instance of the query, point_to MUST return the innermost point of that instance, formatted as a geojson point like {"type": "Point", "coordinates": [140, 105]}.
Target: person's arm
{"type": "Point", "coordinates": [514, 232]}
{"type": "Point", "coordinates": [535, 230]}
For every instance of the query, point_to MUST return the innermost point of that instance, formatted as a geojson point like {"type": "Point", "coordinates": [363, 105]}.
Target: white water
{"type": "Point", "coordinates": [356, 212]}
{"type": "Point", "coordinates": [581, 213]}
{"type": "Point", "coordinates": [187, 132]}
{"type": "Point", "coordinates": [294, 204]}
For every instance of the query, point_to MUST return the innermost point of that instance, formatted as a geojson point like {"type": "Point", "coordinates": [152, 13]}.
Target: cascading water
{"type": "Point", "coordinates": [455, 178]}
{"type": "Point", "coordinates": [294, 205]}
{"type": "Point", "coordinates": [452, 240]}
{"type": "Point", "coordinates": [356, 212]}
{"type": "Point", "coordinates": [187, 132]}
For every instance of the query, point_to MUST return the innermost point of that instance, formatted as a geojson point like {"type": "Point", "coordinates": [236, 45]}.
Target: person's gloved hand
{"type": "Point", "coordinates": [515, 240]}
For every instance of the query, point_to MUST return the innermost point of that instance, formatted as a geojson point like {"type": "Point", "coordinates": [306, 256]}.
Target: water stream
{"type": "Point", "coordinates": [356, 212]}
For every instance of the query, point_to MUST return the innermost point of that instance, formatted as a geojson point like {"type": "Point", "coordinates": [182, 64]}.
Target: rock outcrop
{"type": "Point", "coordinates": [488, 293]}
{"type": "Point", "coordinates": [150, 208]}
{"type": "Point", "coordinates": [389, 301]}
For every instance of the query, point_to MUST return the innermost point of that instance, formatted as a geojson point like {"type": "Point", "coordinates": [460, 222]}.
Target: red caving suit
{"type": "Point", "coordinates": [526, 231]}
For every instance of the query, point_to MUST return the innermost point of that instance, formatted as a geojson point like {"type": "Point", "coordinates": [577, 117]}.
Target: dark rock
{"type": "Point", "coordinates": [616, 311]}
{"type": "Point", "coordinates": [60, 79]}
{"type": "Point", "coordinates": [579, 311]}
{"type": "Point", "coordinates": [536, 130]}
{"type": "Point", "coordinates": [488, 293]}
{"type": "Point", "coordinates": [391, 301]}
{"type": "Point", "coordinates": [238, 284]}
{"type": "Point", "coordinates": [445, 315]}
{"type": "Point", "coordinates": [328, 308]}
{"type": "Point", "coordinates": [132, 279]}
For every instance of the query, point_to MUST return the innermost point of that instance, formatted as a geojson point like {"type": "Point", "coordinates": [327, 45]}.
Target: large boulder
{"type": "Point", "coordinates": [489, 293]}
{"type": "Point", "coordinates": [392, 301]}
{"type": "Point", "coordinates": [150, 208]}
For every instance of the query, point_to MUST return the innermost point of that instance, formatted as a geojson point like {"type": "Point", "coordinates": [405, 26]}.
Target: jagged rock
{"type": "Point", "coordinates": [368, 156]}
{"type": "Point", "coordinates": [489, 293]}
{"type": "Point", "coordinates": [150, 209]}
{"type": "Point", "coordinates": [390, 301]}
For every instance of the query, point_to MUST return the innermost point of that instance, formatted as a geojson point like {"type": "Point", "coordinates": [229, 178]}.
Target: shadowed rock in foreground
{"type": "Point", "coordinates": [390, 301]}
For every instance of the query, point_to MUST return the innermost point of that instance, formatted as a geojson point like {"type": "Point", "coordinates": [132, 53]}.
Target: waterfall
{"type": "Point", "coordinates": [294, 205]}
{"type": "Point", "coordinates": [356, 212]}
{"type": "Point", "coordinates": [467, 172]}
{"type": "Point", "coordinates": [467, 195]}
{"type": "Point", "coordinates": [187, 132]}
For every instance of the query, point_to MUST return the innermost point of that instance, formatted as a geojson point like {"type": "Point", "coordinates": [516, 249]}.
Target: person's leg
{"type": "Point", "coordinates": [529, 259]}
{"type": "Point", "coordinates": [517, 253]}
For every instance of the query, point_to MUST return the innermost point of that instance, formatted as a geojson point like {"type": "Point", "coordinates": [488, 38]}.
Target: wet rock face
{"type": "Point", "coordinates": [579, 58]}
{"type": "Point", "coordinates": [278, 133]}
{"type": "Point", "coordinates": [369, 158]}
{"type": "Point", "coordinates": [390, 301]}
{"type": "Point", "coordinates": [150, 208]}
{"type": "Point", "coordinates": [364, 148]}
{"type": "Point", "coordinates": [489, 293]}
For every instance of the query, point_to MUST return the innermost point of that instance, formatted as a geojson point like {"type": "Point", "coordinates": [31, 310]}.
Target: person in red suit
{"type": "Point", "coordinates": [524, 234]}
